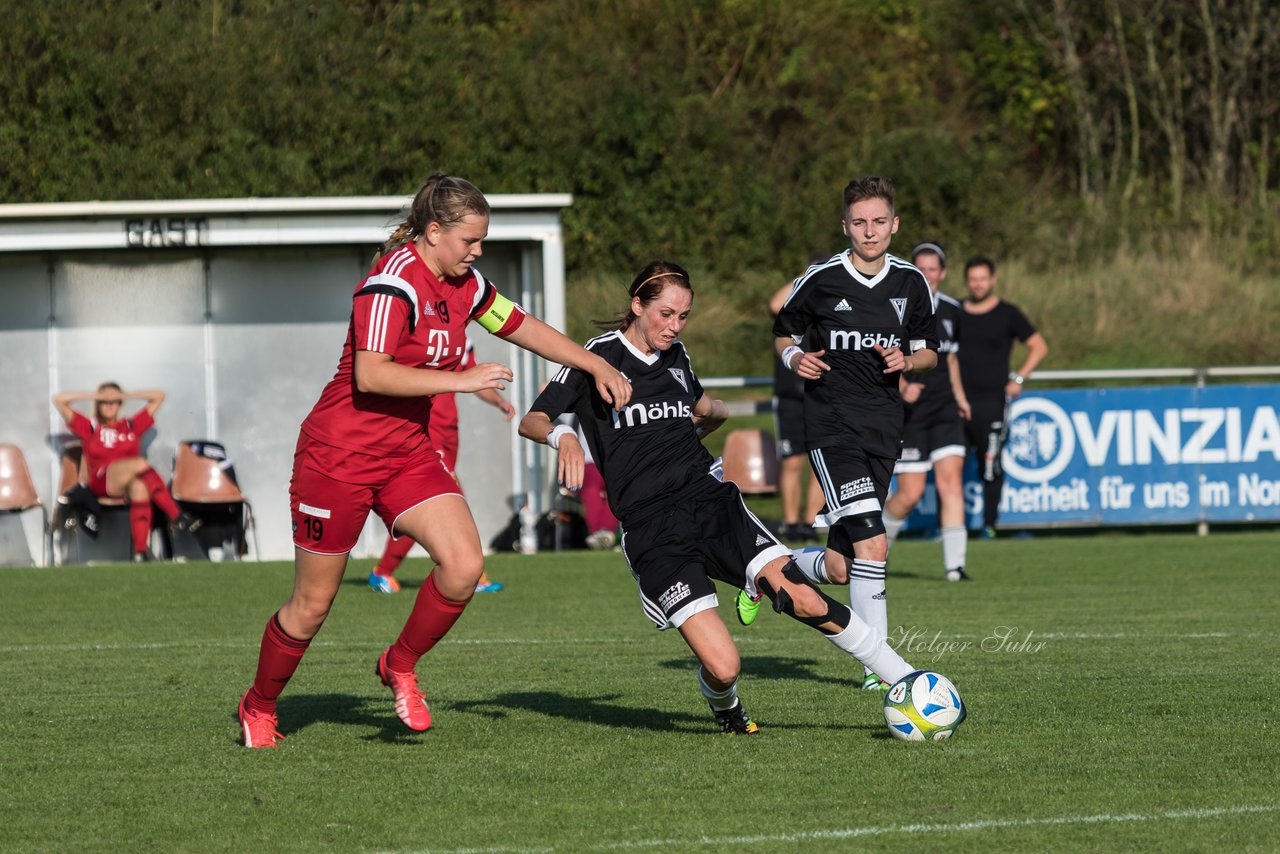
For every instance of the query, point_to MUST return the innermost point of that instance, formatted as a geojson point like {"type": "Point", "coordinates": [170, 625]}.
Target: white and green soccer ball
{"type": "Point", "coordinates": [923, 706]}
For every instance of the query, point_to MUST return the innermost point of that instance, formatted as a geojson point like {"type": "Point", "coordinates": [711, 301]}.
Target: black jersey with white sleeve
{"type": "Point", "coordinates": [835, 308]}
{"type": "Point", "coordinates": [650, 452]}
{"type": "Point", "coordinates": [938, 398]}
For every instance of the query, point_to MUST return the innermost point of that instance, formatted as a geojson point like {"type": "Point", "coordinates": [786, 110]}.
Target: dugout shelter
{"type": "Point", "coordinates": [237, 309]}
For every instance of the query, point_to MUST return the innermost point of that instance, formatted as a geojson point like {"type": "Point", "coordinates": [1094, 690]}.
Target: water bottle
{"type": "Point", "coordinates": [528, 530]}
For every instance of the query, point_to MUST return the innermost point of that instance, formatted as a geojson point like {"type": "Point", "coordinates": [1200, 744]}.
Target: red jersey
{"type": "Point", "coordinates": [103, 444]}
{"type": "Point", "coordinates": [401, 309]}
{"type": "Point", "coordinates": [444, 407]}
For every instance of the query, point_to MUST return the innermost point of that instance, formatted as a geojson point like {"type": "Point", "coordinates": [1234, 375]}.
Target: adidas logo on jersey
{"type": "Point", "coordinates": [843, 305]}
{"type": "Point", "coordinates": [761, 540]}
{"type": "Point", "coordinates": [852, 339]}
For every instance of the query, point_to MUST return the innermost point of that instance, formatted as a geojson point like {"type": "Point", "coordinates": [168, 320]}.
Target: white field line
{"type": "Point", "coordinates": [577, 641]}
{"type": "Point", "coordinates": [885, 830]}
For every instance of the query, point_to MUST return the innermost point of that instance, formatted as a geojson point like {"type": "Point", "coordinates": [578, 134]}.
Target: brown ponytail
{"type": "Point", "coordinates": [442, 199]}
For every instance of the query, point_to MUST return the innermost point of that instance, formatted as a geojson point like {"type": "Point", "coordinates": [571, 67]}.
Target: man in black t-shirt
{"type": "Point", "coordinates": [870, 317]}
{"type": "Point", "coordinates": [988, 328]}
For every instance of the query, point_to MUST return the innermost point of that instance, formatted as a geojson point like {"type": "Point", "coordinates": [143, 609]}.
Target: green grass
{"type": "Point", "coordinates": [1138, 714]}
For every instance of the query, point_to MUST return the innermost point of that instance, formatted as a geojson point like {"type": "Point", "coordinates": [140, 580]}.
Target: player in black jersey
{"type": "Point", "coordinates": [871, 315]}
{"type": "Point", "coordinates": [682, 527]}
{"type": "Point", "coordinates": [988, 328]}
{"type": "Point", "coordinates": [934, 434]}
{"type": "Point", "coordinates": [788, 417]}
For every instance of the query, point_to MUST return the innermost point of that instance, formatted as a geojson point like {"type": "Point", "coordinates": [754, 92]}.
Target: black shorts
{"type": "Point", "coordinates": [788, 421]}
{"type": "Point", "coordinates": [924, 442]}
{"type": "Point", "coordinates": [708, 535]}
{"type": "Point", "coordinates": [853, 481]}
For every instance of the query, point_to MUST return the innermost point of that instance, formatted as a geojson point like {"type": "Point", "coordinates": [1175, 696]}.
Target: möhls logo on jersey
{"type": "Point", "coordinates": [643, 412]}
{"type": "Point", "coordinates": [852, 339]}
{"type": "Point", "coordinates": [1039, 441]}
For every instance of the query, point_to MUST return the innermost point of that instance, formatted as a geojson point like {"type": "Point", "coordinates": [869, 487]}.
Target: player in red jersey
{"type": "Point", "coordinates": [443, 431]}
{"type": "Point", "coordinates": [112, 449]}
{"type": "Point", "coordinates": [365, 444]}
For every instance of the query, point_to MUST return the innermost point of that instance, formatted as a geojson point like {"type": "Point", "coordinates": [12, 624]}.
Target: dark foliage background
{"type": "Point", "coordinates": [1058, 135]}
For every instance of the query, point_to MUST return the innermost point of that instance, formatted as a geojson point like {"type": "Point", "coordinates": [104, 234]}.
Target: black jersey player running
{"type": "Point", "coordinates": [933, 437]}
{"type": "Point", "coordinates": [871, 315]}
{"type": "Point", "coordinates": [682, 526]}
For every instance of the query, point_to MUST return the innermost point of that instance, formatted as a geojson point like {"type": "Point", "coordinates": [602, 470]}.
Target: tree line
{"type": "Point", "coordinates": [718, 131]}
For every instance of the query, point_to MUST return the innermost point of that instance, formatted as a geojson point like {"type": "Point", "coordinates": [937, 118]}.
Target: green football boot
{"type": "Point", "coordinates": [747, 608]}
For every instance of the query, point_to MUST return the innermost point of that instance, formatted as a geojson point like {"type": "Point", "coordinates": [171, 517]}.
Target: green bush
{"type": "Point", "coordinates": [718, 134]}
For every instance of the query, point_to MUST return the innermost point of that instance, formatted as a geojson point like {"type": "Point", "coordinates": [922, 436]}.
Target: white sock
{"type": "Point", "coordinates": [813, 563]}
{"type": "Point", "coordinates": [867, 595]}
{"type": "Point", "coordinates": [721, 701]}
{"type": "Point", "coordinates": [955, 543]}
{"type": "Point", "coordinates": [860, 640]}
{"type": "Point", "coordinates": [892, 525]}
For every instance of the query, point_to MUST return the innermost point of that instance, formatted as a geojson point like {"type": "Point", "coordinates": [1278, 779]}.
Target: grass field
{"type": "Point", "coordinates": [1130, 706]}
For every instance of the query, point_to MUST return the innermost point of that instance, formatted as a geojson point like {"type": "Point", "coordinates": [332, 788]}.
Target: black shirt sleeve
{"type": "Point", "coordinates": [562, 394]}
{"type": "Point", "coordinates": [1019, 325]}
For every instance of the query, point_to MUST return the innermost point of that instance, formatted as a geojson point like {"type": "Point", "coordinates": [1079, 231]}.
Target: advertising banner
{"type": "Point", "coordinates": [1133, 456]}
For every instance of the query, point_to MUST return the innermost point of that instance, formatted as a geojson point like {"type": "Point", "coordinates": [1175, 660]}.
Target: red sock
{"type": "Point", "coordinates": [159, 493]}
{"type": "Point", "coordinates": [277, 660]}
{"type": "Point", "coordinates": [140, 524]}
{"type": "Point", "coordinates": [392, 556]}
{"type": "Point", "coordinates": [431, 618]}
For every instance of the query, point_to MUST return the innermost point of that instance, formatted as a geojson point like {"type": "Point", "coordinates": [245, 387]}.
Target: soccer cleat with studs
{"type": "Point", "coordinates": [873, 682]}
{"type": "Point", "coordinates": [735, 721]}
{"type": "Point", "coordinates": [746, 607]}
{"type": "Point", "coordinates": [383, 583]}
{"type": "Point", "coordinates": [958, 574]}
{"type": "Point", "coordinates": [484, 585]}
{"type": "Point", "coordinates": [411, 703]}
{"type": "Point", "coordinates": [259, 728]}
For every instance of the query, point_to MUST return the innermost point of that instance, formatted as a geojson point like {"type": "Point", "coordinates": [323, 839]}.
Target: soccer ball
{"type": "Point", "coordinates": [923, 706]}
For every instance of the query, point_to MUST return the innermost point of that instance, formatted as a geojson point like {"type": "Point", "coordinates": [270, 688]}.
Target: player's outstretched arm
{"type": "Point", "coordinates": [376, 373]}
{"type": "Point", "coordinates": [572, 460]}
{"type": "Point", "coordinates": [554, 346]}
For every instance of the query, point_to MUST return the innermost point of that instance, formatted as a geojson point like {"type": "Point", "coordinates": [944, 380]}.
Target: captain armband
{"type": "Point", "coordinates": [502, 317]}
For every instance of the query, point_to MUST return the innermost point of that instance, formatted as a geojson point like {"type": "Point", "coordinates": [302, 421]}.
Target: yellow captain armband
{"type": "Point", "coordinates": [499, 312]}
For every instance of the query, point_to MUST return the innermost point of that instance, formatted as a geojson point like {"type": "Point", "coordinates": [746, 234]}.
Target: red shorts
{"type": "Point", "coordinates": [442, 429]}
{"type": "Point", "coordinates": [334, 489]}
{"type": "Point", "coordinates": [98, 481]}
{"type": "Point", "coordinates": [445, 441]}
